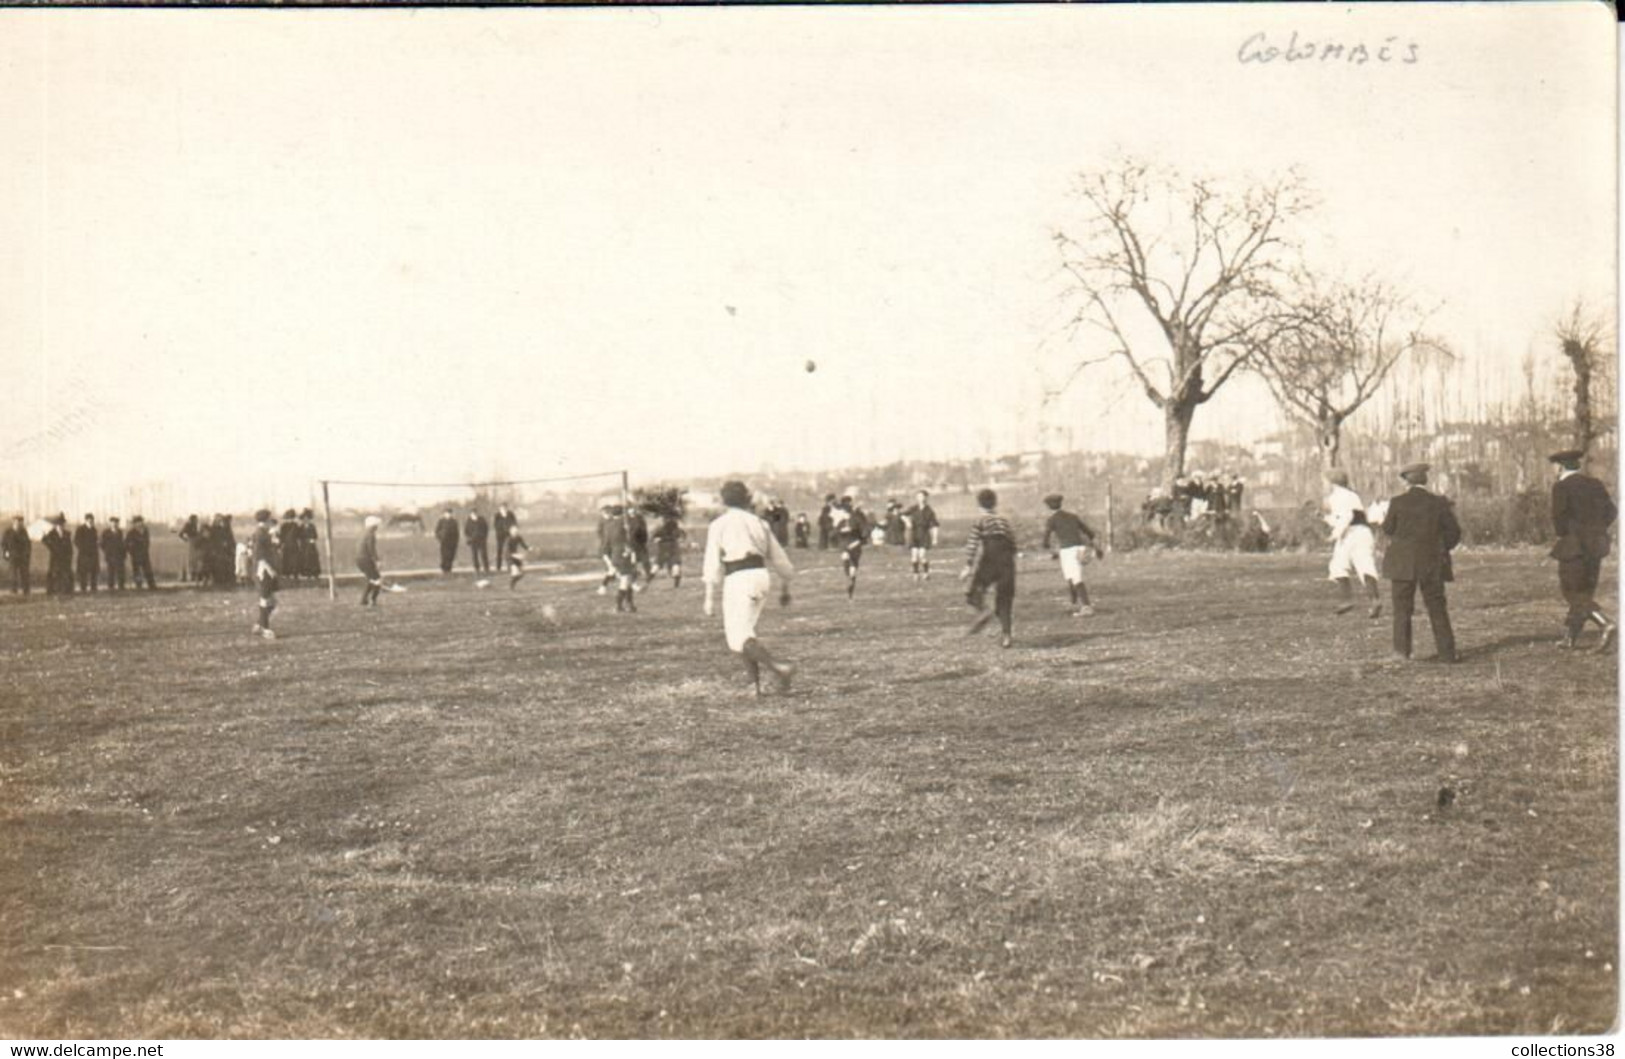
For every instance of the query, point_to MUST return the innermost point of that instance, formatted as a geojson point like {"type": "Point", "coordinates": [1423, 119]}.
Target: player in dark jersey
{"type": "Point", "coordinates": [921, 529]}
{"type": "Point", "coordinates": [851, 532]}
{"type": "Point", "coordinates": [265, 556]}
{"type": "Point", "coordinates": [668, 542]}
{"type": "Point", "coordinates": [990, 562]}
{"type": "Point", "coordinates": [618, 558]}
{"type": "Point", "coordinates": [1074, 540]}
{"type": "Point", "coordinates": [515, 559]}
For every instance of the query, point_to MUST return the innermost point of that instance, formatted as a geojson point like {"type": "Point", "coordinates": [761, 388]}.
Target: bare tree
{"type": "Point", "coordinates": [1588, 345]}
{"type": "Point", "coordinates": [1334, 347]}
{"type": "Point", "coordinates": [1178, 274]}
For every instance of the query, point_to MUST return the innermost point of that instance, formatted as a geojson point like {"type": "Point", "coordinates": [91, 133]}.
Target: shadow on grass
{"type": "Point", "coordinates": [946, 674]}
{"type": "Point", "coordinates": [1081, 663]}
{"type": "Point", "coordinates": [1056, 641]}
{"type": "Point", "coordinates": [1506, 643]}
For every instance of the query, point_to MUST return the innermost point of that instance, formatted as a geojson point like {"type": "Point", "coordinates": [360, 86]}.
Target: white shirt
{"type": "Point", "coordinates": [736, 534]}
{"type": "Point", "coordinates": [1341, 504]}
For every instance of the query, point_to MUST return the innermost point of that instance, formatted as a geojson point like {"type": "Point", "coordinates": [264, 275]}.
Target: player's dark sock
{"type": "Point", "coordinates": [1372, 587]}
{"type": "Point", "coordinates": [677, 579]}
{"type": "Point", "coordinates": [1072, 593]}
{"type": "Point", "coordinates": [851, 587]}
{"type": "Point", "coordinates": [1083, 594]}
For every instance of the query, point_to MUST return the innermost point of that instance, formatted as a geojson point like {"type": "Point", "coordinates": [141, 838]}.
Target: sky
{"type": "Point", "coordinates": [248, 249]}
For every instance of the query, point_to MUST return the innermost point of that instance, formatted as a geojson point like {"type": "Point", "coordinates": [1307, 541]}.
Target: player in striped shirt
{"type": "Point", "coordinates": [990, 562]}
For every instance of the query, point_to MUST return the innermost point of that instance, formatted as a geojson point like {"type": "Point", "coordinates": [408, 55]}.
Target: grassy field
{"type": "Point", "coordinates": [1211, 810]}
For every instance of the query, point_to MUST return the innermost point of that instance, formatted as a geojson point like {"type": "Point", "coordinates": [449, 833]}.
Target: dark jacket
{"type": "Point", "coordinates": [16, 545]}
{"type": "Point", "coordinates": [1582, 511]}
{"type": "Point", "coordinates": [113, 544]}
{"type": "Point", "coordinates": [1421, 529]}
{"type": "Point", "coordinates": [138, 541]}
{"type": "Point", "coordinates": [59, 544]}
{"type": "Point", "coordinates": [476, 529]}
{"type": "Point", "coordinates": [84, 542]}
{"type": "Point", "coordinates": [446, 532]}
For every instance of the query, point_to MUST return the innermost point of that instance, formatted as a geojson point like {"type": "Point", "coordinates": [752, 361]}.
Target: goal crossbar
{"type": "Point", "coordinates": [327, 504]}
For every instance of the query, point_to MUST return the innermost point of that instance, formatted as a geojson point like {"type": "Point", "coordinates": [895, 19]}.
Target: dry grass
{"type": "Point", "coordinates": [1210, 810]}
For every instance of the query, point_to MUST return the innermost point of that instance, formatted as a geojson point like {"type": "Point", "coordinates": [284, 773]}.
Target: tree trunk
{"type": "Point", "coordinates": [1177, 416]}
{"type": "Point", "coordinates": [1329, 436]}
{"type": "Point", "coordinates": [1580, 357]}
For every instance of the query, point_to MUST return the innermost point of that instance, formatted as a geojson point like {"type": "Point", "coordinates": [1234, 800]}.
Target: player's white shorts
{"type": "Point", "coordinates": [744, 594]}
{"type": "Point", "coordinates": [1354, 555]}
{"type": "Point", "coordinates": [1072, 560]}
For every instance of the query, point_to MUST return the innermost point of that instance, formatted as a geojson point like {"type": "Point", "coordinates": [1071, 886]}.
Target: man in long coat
{"type": "Point", "coordinates": [1421, 529]}
{"type": "Point", "coordinates": [447, 533]}
{"type": "Point", "coordinates": [112, 544]}
{"type": "Point", "coordinates": [59, 544]}
{"type": "Point", "coordinates": [18, 550]}
{"type": "Point", "coordinates": [1582, 511]}
{"type": "Point", "coordinates": [87, 564]}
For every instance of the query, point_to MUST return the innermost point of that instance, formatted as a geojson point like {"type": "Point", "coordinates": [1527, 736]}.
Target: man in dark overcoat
{"type": "Point", "coordinates": [1422, 529]}
{"type": "Point", "coordinates": [1582, 511]}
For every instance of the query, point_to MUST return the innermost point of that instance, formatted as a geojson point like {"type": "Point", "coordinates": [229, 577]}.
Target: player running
{"type": "Point", "coordinates": [851, 532]}
{"type": "Point", "coordinates": [990, 562]}
{"type": "Point", "coordinates": [1074, 540]}
{"type": "Point", "coordinates": [265, 551]}
{"type": "Point", "coordinates": [515, 559]}
{"type": "Point", "coordinates": [1354, 545]}
{"type": "Point", "coordinates": [739, 551]}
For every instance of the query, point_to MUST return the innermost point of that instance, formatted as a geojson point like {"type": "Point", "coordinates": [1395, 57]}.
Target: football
{"type": "Point", "coordinates": [812, 366]}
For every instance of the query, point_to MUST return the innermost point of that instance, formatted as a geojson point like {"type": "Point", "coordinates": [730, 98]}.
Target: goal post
{"type": "Point", "coordinates": [618, 480]}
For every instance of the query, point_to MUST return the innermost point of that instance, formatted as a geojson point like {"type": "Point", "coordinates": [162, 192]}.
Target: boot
{"type": "Point", "coordinates": [1609, 629]}
{"type": "Point", "coordinates": [1374, 590]}
{"type": "Point", "coordinates": [758, 656]}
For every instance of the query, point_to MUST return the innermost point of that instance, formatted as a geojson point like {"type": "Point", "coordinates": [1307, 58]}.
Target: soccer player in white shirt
{"type": "Point", "coordinates": [740, 549]}
{"type": "Point", "coordinates": [1353, 544]}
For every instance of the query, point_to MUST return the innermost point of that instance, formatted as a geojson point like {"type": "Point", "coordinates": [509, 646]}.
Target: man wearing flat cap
{"type": "Point", "coordinates": [1582, 511]}
{"type": "Point", "coordinates": [1422, 529]}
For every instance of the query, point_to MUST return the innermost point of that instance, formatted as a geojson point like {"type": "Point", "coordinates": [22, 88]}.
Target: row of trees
{"type": "Point", "coordinates": [1190, 282]}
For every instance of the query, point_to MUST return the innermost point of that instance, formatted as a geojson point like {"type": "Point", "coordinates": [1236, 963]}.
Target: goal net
{"type": "Point", "coordinates": [557, 515]}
